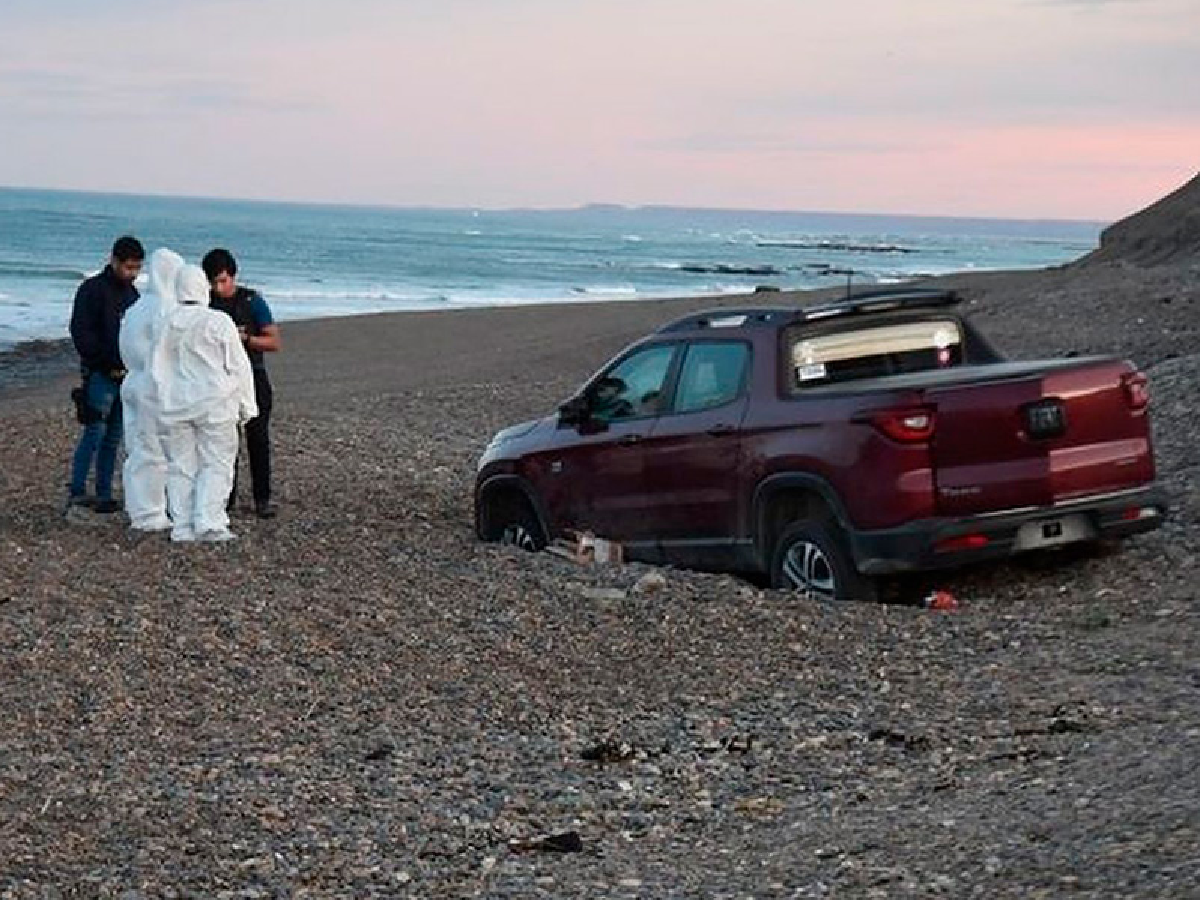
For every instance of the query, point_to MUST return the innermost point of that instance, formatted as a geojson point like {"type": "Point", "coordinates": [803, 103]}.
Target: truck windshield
{"type": "Point", "coordinates": [874, 352]}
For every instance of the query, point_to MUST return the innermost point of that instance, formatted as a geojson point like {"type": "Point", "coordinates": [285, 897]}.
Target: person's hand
{"type": "Point", "coordinates": [243, 334]}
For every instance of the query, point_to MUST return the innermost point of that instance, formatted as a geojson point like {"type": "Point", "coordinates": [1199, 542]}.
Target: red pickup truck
{"type": "Point", "coordinates": [829, 445]}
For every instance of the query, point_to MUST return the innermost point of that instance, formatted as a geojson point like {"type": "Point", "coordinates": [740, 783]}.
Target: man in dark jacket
{"type": "Point", "coordinates": [260, 335]}
{"type": "Point", "coordinates": [100, 303]}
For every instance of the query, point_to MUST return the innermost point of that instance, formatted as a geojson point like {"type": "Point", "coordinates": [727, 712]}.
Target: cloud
{"type": "Point", "coordinates": [1087, 2]}
{"type": "Point", "coordinates": [67, 92]}
{"type": "Point", "coordinates": [822, 143]}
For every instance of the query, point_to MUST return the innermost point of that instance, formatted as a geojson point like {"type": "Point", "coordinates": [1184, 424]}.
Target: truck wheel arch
{"type": "Point", "coordinates": [784, 498]}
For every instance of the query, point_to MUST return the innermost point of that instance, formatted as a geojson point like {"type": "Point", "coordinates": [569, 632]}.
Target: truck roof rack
{"type": "Point", "coordinates": [881, 300]}
{"type": "Point", "coordinates": [731, 317]}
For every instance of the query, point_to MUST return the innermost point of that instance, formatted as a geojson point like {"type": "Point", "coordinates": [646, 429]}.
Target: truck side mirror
{"type": "Point", "coordinates": [574, 411]}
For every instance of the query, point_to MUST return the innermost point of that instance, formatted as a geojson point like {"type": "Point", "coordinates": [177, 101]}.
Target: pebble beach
{"type": "Point", "coordinates": [358, 699]}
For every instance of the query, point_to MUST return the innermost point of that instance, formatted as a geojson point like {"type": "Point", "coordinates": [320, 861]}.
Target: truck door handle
{"type": "Point", "coordinates": [627, 440]}
{"type": "Point", "coordinates": [719, 430]}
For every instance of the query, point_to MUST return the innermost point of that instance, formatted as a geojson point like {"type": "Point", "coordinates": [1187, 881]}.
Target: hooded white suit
{"type": "Point", "coordinates": [145, 471]}
{"type": "Point", "coordinates": [205, 390]}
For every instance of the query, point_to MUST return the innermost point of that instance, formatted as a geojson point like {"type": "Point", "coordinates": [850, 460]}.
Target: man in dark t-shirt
{"type": "Point", "coordinates": [260, 335]}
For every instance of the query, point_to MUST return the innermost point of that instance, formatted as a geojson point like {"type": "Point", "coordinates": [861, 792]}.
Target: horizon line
{"type": "Point", "coordinates": [579, 207]}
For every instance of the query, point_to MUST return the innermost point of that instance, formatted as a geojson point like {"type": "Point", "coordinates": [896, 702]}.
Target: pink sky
{"type": "Point", "coordinates": [1023, 108]}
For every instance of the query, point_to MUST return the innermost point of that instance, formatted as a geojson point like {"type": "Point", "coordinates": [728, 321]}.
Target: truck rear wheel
{"type": "Point", "coordinates": [811, 558]}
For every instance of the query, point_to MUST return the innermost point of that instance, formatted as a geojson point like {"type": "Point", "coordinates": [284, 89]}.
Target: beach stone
{"type": "Point", "coordinates": [604, 593]}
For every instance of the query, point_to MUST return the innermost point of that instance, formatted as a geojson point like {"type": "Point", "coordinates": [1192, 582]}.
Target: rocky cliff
{"type": "Point", "coordinates": [1166, 232]}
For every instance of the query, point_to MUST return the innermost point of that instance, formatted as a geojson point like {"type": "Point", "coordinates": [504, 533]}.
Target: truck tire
{"type": "Point", "coordinates": [811, 558]}
{"type": "Point", "coordinates": [513, 522]}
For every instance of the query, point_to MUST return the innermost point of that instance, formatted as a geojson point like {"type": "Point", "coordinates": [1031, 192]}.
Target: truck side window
{"type": "Point", "coordinates": [632, 388]}
{"type": "Point", "coordinates": [712, 375]}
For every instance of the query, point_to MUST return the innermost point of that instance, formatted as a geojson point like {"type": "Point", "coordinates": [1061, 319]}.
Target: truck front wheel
{"type": "Point", "coordinates": [811, 557]}
{"type": "Point", "coordinates": [510, 520]}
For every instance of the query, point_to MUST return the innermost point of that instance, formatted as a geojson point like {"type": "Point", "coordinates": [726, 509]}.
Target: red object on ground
{"type": "Point", "coordinates": [943, 600]}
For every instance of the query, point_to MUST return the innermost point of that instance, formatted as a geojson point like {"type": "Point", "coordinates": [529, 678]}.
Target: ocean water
{"type": "Point", "coordinates": [316, 260]}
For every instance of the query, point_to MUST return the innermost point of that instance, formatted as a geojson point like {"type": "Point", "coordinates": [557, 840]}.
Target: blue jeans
{"type": "Point", "coordinates": [100, 439]}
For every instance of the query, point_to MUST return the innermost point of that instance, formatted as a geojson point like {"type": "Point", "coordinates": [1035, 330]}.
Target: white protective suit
{"type": "Point", "coordinates": [205, 390]}
{"type": "Point", "coordinates": [145, 472]}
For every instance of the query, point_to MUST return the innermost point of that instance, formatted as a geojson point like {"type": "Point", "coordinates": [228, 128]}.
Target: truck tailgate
{"type": "Point", "coordinates": [1034, 434]}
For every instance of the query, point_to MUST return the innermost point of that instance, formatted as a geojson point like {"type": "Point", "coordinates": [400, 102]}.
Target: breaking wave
{"type": "Point", "coordinates": [605, 289]}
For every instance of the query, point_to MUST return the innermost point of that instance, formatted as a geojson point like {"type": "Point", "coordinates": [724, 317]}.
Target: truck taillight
{"type": "Point", "coordinates": [907, 426]}
{"type": "Point", "coordinates": [1137, 389]}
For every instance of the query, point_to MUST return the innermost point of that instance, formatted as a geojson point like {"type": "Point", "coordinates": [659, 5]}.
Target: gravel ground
{"type": "Point", "coordinates": [357, 699]}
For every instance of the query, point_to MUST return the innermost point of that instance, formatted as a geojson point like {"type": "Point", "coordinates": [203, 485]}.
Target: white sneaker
{"type": "Point", "coordinates": [182, 535]}
{"type": "Point", "coordinates": [217, 535]}
{"type": "Point", "coordinates": [153, 525]}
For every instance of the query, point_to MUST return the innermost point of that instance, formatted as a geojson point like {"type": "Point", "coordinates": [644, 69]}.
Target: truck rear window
{"type": "Point", "coordinates": [874, 352]}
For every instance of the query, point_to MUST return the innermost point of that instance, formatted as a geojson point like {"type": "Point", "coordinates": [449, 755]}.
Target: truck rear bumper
{"type": "Point", "coordinates": [942, 543]}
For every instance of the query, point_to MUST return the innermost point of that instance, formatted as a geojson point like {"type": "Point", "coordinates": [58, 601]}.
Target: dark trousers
{"type": "Point", "coordinates": [258, 440]}
{"type": "Point", "coordinates": [100, 439]}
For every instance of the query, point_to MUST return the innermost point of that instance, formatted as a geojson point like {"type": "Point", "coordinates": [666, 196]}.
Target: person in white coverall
{"type": "Point", "coordinates": [205, 390]}
{"type": "Point", "coordinates": [145, 471]}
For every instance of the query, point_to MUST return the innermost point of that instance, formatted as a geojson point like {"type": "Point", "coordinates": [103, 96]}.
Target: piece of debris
{"type": "Point", "coordinates": [584, 548]}
{"type": "Point", "coordinates": [383, 751]}
{"type": "Point", "coordinates": [734, 743]}
{"type": "Point", "coordinates": [739, 743]}
{"type": "Point", "coordinates": [1057, 725]}
{"type": "Point", "coordinates": [759, 806]}
{"type": "Point", "coordinates": [563, 842]}
{"type": "Point", "coordinates": [650, 583]}
{"type": "Point", "coordinates": [940, 600]}
{"type": "Point", "coordinates": [605, 552]}
{"type": "Point", "coordinates": [894, 738]}
{"type": "Point", "coordinates": [603, 593]}
{"type": "Point", "coordinates": [562, 549]}
{"type": "Point", "coordinates": [608, 752]}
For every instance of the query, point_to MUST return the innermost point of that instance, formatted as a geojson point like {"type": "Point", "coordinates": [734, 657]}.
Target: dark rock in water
{"type": "Point", "coordinates": [836, 246]}
{"type": "Point", "coordinates": [724, 269]}
{"type": "Point", "coordinates": [828, 269]}
{"type": "Point", "coordinates": [765, 288]}
{"type": "Point", "coordinates": [1166, 232]}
